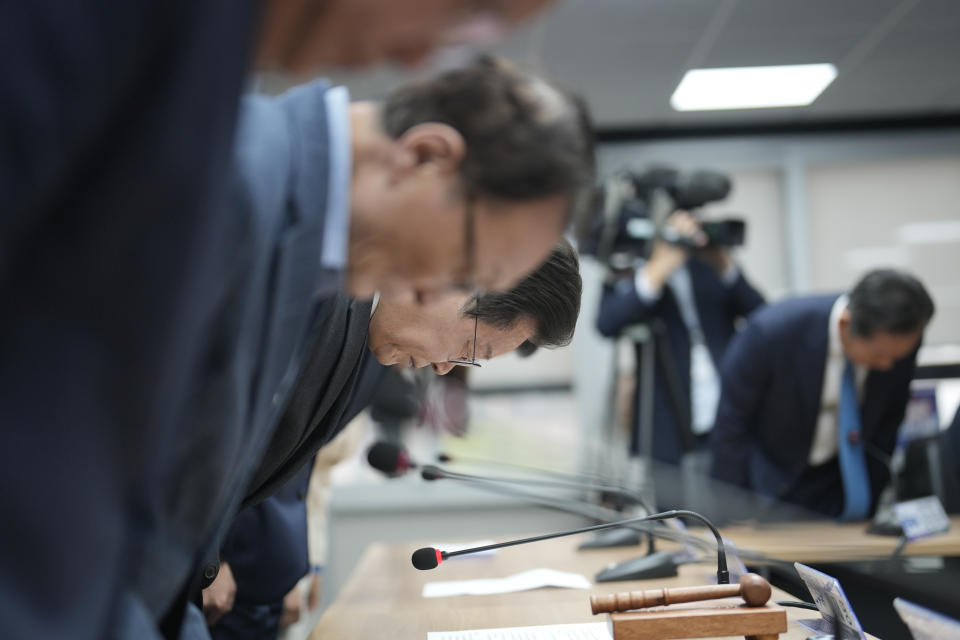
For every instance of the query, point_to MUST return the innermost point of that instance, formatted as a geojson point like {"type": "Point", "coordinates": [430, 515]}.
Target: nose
{"type": "Point", "coordinates": [442, 368]}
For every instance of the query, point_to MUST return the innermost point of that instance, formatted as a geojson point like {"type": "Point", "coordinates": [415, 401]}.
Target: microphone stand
{"type": "Point", "coordinates": [657, 564]}
{"type": "Point", "coordinates": [424, 558]}
{"type": "Point", "coordinates": [621, 540]}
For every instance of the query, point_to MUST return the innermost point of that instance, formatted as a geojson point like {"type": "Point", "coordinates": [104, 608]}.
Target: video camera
{"type": "Point", "coordinates": [630, 211]}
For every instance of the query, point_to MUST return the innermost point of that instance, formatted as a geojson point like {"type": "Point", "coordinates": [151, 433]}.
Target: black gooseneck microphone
{"type": "Point", "coordinates": [654, 567]}
{"type": "Point", "coordinates": [385, 457]}
{"type": "Point", "coordinates": [393, 459]}
{"type": "Point", "coordinates": [445, 458]}
{"type": "Point", "coordinates": [594, 512]}
{"type": "Point", "coordinates": [432, 472]}
{"type": "Point", "coordinates": [885, 521]}
{"type": "Point", "coordinates": [430, 557]}
{"type": "Point", "coordinates": [390, 458]}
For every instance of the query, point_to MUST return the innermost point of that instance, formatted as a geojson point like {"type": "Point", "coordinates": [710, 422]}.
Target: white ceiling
{"type": "Point", "coordinates": [896, 58]}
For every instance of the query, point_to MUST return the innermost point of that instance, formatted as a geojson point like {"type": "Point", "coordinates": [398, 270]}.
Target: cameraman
{"type": "Point", "coordinates": [691, 294]}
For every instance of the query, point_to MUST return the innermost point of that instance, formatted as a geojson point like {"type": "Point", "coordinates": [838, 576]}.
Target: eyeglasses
{"type": "Point", "coordinates": [472, 362]}
{"type": "Point", "coordinates": [467, 281]}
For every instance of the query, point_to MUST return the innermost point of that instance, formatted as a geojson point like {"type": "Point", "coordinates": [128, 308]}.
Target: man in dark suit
{"type": "Point", "coordinates": [541, 311]}
{"type": "Point", "coordinates": [266, 545]}
{"type": "Point", "coordinates": [692, 300]}
{"type": "Point", "coordinates": [814, 390]}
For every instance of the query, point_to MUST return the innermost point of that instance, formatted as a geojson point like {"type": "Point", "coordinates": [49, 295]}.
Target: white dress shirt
{"type": "Point", "coordinates": [824, 445]}
{"type": "Point", "coordinates": [333, 253]}
{"type": "Point", "coordinates": [704, 379]}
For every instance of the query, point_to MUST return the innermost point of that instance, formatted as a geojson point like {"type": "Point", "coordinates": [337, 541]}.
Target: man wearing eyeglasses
{"type": "Point", "coordinates": [266, 546]}
{"type": "Point", "coordinates": [464, 181]}
{"type": "Point", "coordinates": [460, 182]}
{"type": "Point", "coordinates": [541, 311]}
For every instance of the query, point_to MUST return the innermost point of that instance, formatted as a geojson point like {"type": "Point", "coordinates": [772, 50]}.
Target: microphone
{"type": "Point", "coordinates": [430, 557]}
{"type": "Point", "coordinates": [432, 472]}
{"type": "Point", "coordinates": [389, 458]}
{"type": "Point", "coordinates": [445, 458]}
{"type": "Point", "coordinates": [392, 459]}
{"type": "Point", "coordinates": [655, 564]}
{"type": "Point", "coordinates": [586, 510]}
{"type": "Point", "coordinates": [385, 461]}
{"type": "Point", "coordinates": [885, 521]}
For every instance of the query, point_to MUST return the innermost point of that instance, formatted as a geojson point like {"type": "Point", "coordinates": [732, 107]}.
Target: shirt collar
{"type": "Point", "coordinates": [835, 346]}
{"type": "Point", "coordinates": [337, 222]}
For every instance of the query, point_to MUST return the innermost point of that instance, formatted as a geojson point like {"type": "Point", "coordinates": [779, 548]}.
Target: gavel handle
{"type": "Point", "coordinates": [627, 600]}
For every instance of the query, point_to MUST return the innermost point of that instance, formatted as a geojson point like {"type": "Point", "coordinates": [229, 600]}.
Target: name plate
{"type": "Point", "coordinates": [837, 614]}
{"type": "Point", "coordinates": [921, 517]}
{"type": "Point", "coordinates": [925, 624]}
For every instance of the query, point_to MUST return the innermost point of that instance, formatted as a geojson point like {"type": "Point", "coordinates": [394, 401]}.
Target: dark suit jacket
{"type": "Point", "coordinates": [718, 305]}
{"type": "Point", "coordinates": [267, 544]}
{"type": "Point", "coordinates": [256, 344]}
{"type": "Point", "coordinates": [772, 386]}
{"type": "Point", "coordinates": [334, 386]}
{"type": "Point", "coordinates": [116, 121]}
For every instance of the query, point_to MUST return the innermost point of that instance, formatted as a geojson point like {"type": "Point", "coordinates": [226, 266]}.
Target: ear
{"type": "Point", "coordinates": [432, 144]}
{"type": "Point", "coordinates": [844, 323]}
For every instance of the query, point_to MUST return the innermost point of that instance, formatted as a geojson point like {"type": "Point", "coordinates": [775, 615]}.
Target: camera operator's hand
{"type": "Point", "coordinates": [667, 257]}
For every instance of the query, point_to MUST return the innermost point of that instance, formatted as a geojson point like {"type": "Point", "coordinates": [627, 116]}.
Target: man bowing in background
{"type": "Point", "coordinates": [814, 390]}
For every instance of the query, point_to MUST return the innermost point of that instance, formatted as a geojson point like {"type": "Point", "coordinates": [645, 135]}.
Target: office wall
{"type": "Point", "coordinates": [824, 208]}
{"type": "Point", "coordinates": [894, 212]}
{"type": "Point", "coordinates": [757, 197]}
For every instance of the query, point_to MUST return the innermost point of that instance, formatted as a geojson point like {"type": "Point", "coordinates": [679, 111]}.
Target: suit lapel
{"type": "Point", "coordinates": [810, 363]}
{"type": "Point", "coordinates": [321, 396]}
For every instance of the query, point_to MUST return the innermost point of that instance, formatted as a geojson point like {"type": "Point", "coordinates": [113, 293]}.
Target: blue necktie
{"type": "Point", "coordinates": [853, 461]}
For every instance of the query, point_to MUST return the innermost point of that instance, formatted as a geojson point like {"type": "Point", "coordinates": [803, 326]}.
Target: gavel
{"type": "Point", "coordinates": [754, 590]}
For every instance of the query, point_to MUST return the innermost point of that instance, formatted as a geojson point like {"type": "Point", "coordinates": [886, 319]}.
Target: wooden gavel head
{"type": "Point", "coordinates": [754, 590]}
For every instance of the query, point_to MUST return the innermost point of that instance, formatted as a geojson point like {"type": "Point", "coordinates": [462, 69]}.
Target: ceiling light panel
{"type": "Point", "coordinates": [795, 85]}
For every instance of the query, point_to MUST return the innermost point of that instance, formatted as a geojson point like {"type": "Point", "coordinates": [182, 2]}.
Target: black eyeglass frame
{"type": "Point", "coordinates": [472, 362]}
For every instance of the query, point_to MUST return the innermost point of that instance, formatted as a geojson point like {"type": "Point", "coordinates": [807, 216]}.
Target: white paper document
{"type": "Point", "coordinates": [585, 631]}
{"type": "Point", "coordinates": [533, 579]}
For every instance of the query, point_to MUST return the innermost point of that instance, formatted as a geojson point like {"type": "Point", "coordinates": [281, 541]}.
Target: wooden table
{"type": "Point", "coordinates": [382, 598]}
{"type": "Point", "coordinates": [820, 542]}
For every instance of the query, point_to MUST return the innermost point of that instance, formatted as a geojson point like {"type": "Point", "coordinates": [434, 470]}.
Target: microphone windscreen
{"type": "Point", "coordinates": [430, 472]}
{"type": "Point", "coordinates": [426, 558]}
{"type": "Point", "coordinates": [386, 457]}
